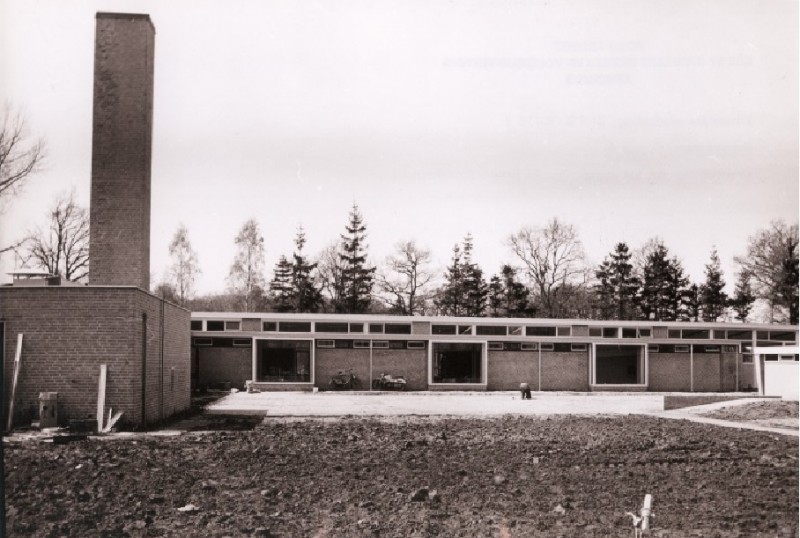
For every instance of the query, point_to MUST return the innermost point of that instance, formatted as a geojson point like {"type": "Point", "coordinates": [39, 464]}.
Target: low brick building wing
{"type": "Point", "coordinates": [305, 351]}
{"type": "Point", "coordinates": [69, 332]}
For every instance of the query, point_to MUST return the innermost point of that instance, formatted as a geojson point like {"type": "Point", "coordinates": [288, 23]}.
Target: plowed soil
{"type": "Point", "coordinates": [561, 476]}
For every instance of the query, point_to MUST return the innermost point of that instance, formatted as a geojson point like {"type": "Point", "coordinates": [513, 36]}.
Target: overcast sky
{"type": "Point", "coordinates": [627, 119]}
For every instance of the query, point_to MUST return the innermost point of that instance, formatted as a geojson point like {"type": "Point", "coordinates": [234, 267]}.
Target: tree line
{"type": "Point", "coordinates": [549, 275]}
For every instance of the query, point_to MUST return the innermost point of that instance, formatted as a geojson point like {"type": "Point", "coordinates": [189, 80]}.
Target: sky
{"type": "Point", "coordinates": [626, 119]}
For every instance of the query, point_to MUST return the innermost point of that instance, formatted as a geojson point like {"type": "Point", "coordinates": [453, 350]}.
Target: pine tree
{"type": "Point", "coordinates": [693, 303]}
{"type": "Point", "coordinates": [281, 286]}
{"type": "Point", "coordinates": [465, 291]}
{"type": "Point", "coordinates": [450, 300]}
{"type": "Point", "coordinates": [357, 276]}
{"type": "Point", "coordinates": [496, 297]}
{"type": "Point", "coordinates": [306, 296]}
{"type": "Point", "coordinates": [714, 300]}
{"type": "Point", "coordinates": [618, 285]}
{"type": "Point", "coordinates": [743, 296]}
{"type": "Point", "coordinates": [516, 296]}
{"type": "Point", "coordinates": [663, 286]}
{"type": "Point", "coordinates": [475, 289]}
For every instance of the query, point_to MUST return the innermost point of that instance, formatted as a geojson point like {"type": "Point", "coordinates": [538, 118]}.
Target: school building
{"type": "Point", "coordinates": [304, 351]}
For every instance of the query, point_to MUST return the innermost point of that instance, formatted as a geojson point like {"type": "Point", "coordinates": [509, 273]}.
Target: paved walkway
{"type": "Point", "coordinates": [471, 404]}
{"type": "Point", "coordinates": [329, 404]}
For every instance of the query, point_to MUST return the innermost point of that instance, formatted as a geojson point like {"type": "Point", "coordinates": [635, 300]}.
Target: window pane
{"type": "Point", "coordinates": [491, 330]}
{"type": "Point", "coordinates": [398, 328]}
{"type": "Point", "coordinates": [215, 325]}
{"type": "Point", "coordinates": [443, 329]}
{"type": "Point", "coordinates": [295, 326]}
{"type": "Point", "coordinates": [540, 331]}
{"type": "Point", "coordinates": [197, 325]}
{"type": "Point", "coordinates": [327, 327]}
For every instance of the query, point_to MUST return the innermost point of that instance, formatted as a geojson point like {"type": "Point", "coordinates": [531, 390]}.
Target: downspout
{"type": "Point", "coordinates": [144, 371]}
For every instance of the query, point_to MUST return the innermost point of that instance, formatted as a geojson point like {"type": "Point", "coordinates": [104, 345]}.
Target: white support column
{"type": "Point", "coordinates": [539, 347]}
{"type": "Point", "coordinates": [691, 367]}
{"type": "Point", "coordinates": [255, 357]}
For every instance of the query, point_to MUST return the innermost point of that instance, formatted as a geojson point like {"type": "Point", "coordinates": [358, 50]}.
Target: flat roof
{"type": "Point", "coordinates": [388, 318]}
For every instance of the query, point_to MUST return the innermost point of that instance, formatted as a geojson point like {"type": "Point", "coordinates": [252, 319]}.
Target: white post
{"type": "Point", "coordinates": [757, 364]}
{"type": "Point", "coordinates": [101, 397]}
{"type": "Point", "coordinates": [17, 366]}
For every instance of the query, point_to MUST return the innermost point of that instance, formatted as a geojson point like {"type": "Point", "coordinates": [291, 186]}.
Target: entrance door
{"type": "Point", "coordinates": [619, 364]}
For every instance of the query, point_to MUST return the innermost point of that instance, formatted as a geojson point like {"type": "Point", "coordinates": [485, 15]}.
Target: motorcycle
{"type": "Point", "coordinates": [389, 382]}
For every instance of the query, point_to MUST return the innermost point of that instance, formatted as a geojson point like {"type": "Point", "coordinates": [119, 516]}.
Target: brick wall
{"type": "Point", "coordinates": [410, 363]}
{"type": "Point", "coordinates": [327, 362]}
{"type": "Point", "coordinates": [728, 371]}
{"type": "Point", "coordinates": [507, 369]}
{"type": "Point", "coordinates": [121, 150]}
{"type": "Point", "coordinates": [707, 372]}
{"type": "Point", "coordinates": [747, 376]}
{"type": "Point", "coordinates": [168, 387]}
{"type": "Point", "coordinates": [69, 332]}
{"type": "Point", "coordinates": [565, 371]}
{"type": "Point", "coordinates": [669, 372]}
{"type": "Point", "coordinates": [224, 364]}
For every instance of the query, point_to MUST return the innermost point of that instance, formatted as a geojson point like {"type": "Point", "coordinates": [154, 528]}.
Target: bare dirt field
{"type": "Point", "coordinates": [510, 476]}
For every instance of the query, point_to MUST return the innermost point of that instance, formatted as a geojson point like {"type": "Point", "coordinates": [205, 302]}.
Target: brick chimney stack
{"type": "Point", "coordinates": [122, 133]}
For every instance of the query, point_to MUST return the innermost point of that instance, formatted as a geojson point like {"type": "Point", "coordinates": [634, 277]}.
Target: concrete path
{"type": "Point", "coordinates": [330, 404]}
{"type": "Point", "coordinates": [471, 404]}
{"type": "Point", "coordinates": [695, 413]}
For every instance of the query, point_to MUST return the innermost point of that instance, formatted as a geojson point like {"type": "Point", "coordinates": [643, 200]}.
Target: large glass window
{"type": "Point", "coordinates": [619, 365]}
{"type": "Point", "coordinates": [457, 362]}
{"type": "Point", "coordinates": [283, 361]}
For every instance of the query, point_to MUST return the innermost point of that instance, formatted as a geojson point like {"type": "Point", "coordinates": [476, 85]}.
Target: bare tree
{"type": "Point", "coordinates": [246, 276]}
{"type": "Point", "coordinates": [184, 268]}
{"type": "Point", "coordinates": [63, 247]}
{"type": "Point", "coordinates": [330, 273]}
{"type": "Point", "coordinates": [19, 159]}
{"type": "Point", "coordinates": [554, 262]}
{"type": "Point", "coordinates": [771, 263]}
{"type": "Point", "coordinates": [405, 277]}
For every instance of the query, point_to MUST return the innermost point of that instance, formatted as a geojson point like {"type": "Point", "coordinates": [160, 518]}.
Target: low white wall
{"type": "Point", "coordinates": [782, 379]}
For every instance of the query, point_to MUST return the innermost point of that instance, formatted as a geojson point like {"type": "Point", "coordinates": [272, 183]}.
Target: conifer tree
{"type": "Point", "coordinates": [281, 286]}
{"type": "Point", "coordinates": [306, 296]}
{"type": "Point", "coordinates": [357, 277]}
{"type": "Point", "coordinates": [465, 291]}
{"type": "Point", "coordinates": [714, 300]}
{"type": "Point", "coordinates": [663, 286]}
{"type": "Point", "coordinates": [513, 296]}
{"type": "Point", "coordinates": [618, 285]}
{"type": "Point", "coordinates": [496, 297]}
{"type": "Point", "coordinates": [743, 296]}
{"type": "Point", "coordinates": [450, 300]}
{"type": "Point", "coordinates": [475, 289]}
{"type": "Point", "coordinates": [693, 303]}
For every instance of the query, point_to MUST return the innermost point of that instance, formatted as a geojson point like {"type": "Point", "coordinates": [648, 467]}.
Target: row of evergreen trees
{"type": "Point", "coordinates": [652, 287]}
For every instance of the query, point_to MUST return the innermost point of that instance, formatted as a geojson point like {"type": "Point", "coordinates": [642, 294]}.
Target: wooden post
{"type": "Point", "coordinates": [101, 397]}
{"type": "Point", "coordinates": [17, 366]}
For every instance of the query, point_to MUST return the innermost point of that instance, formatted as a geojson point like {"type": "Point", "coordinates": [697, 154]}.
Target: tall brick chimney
{"type": "Point", "coordinates": [122, 135]}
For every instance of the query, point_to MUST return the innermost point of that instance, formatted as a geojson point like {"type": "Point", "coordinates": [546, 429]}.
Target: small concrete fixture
{"type": "Point", "coordinates": [641, 523]}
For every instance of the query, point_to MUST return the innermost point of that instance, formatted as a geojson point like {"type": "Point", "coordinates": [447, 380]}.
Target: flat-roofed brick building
{"type": "Point", "coordinates": [303, 351]}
